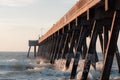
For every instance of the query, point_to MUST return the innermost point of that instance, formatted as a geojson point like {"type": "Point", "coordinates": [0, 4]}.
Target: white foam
{"type": "Point", "coordinates": [90, 77]}
{"type": "Point", "coordinates": [3, 72]}
{"type": "Point", "coordinates": [93, 74]}
{"type": "Point", "coordinates": [12, 60]}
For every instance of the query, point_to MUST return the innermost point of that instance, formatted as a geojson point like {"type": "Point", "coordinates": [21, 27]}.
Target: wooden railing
{"type": "Point", "coordinates": [78, 9]}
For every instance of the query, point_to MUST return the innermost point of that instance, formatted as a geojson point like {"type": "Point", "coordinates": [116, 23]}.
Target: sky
{"type": "Point", "coordinates": [23, 20]}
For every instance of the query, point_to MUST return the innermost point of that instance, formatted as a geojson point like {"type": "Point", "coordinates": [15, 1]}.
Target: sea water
{"type": "Point", "coordinates": [16, 66]}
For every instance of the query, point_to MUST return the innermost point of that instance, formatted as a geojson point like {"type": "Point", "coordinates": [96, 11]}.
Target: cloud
{"type": "Point", "coordinates": [16, 3]}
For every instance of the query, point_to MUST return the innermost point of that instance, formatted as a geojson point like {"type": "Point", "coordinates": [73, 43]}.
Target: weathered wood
{"type": "Point", "coordinates": [84, 48]}
{"type": "Point", "coordinates": [94, 59]}
{"type": "Point", "coordinates": [106, 5]}
{"type": "Point", "coordinates": [65, 48]}
{"type": "Point", "coordinates": [35, 51]}
{"type": "Point", "coordinates": [61, 46]}
{"type": "Point", "coordinates": [70, 53]}
{"type": "Point", "coordinates": [105, 40]}
{"type": "Point", "coordinates": [56, 48]}
{"type": "Point", "coordinates": [93, 20]}
{"type": "Point", "coordinates": [43, 54]}
{"type": "Point", "coordinates": [29, 51]}
{"type": "Point", "coordinates": [47, 49]}
{"type": "Point", "coordinates": [52, 47]}
{"type": "Point", "coordinates": [53, 50]}
{"type": "Point", "coordinates": [40, 51]}
{"type": "Point", "coordinates": [79, 8]}
{"type": "Point", "coordinates": [73, 42]}
{"type": "Point", "coordinates": [101, 43]}
{"type": "Point", "coordinates": [33, 43]}
{"type": "Point", "coordinates": [111, 48]}
{"type": "Point", "coordinates": [90, 52]}
{"type": "Point", "coordinates": [78, 48]}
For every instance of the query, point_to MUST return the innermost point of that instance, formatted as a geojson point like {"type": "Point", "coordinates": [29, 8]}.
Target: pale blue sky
{"type": "Point", "coordinates": [21, 20]}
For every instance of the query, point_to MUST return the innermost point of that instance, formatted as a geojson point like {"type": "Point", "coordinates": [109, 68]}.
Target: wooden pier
{"type": "Point", "coordinates": [86, 19]}
{"type": "Point", "coordinates": [33, 43]}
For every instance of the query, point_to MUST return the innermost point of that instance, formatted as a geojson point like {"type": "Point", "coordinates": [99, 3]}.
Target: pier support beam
{"type": "Point", "coordinates": [56, 48]}
{"type": "Point", "coordinates": [111, 49]}
{"type": "Point", "coordinates": [78, 48]}
{"type": "Point", "coordinates": [105, 41]}
{"type": "Point", "coordinates": [65, 47]}
{"type": "Point", "coordinates": [54, 39]}
{"type": "Point", "coordinates": [63, 38]}
{"type": "Point", "coordinates": [90, 51]}
{"type": "Point", "coordinates": [35, 54]}
{"type": "Point", "coordinates": [29, 51]}
{"type": "Point", "coordinates": [74, 37]}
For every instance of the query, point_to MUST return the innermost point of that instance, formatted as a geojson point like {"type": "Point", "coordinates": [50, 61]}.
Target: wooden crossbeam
{"type": "Point", "coordinates": [106, 5]}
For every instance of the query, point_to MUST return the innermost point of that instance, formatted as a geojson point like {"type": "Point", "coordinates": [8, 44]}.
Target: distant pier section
{"type": "Point", "coordinates": [33, 43]}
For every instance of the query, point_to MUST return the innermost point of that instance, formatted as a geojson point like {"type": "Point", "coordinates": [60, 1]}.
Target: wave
{"type": "Point", "coordinates": [12, 60]}
{"type": "Point", "coordinates": [9, 60]}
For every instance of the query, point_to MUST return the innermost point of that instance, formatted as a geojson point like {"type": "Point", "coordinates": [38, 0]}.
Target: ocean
{"type": "Point", "coordinates": [16, 66]}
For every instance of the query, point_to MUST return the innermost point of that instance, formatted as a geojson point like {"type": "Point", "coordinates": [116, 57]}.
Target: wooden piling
{"type": "Point", "coordinates": [111, 48]}
{"type": "Point", "coordinates": [90, 51]}
{"type": "Point", "coordinates": [78, 51]}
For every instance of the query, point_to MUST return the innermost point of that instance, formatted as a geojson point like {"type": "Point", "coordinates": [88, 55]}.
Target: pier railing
{"type": "Point", "coordinates": [78, 9]}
